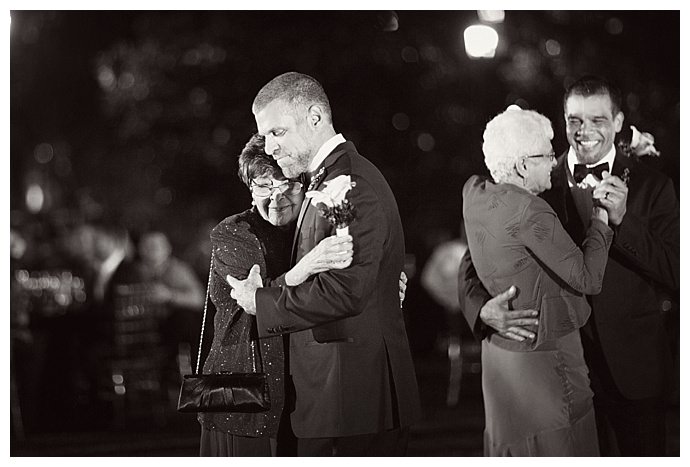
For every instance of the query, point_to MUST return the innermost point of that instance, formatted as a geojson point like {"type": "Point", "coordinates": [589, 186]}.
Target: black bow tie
{"type": "Point", "coordinates": [581, 171]}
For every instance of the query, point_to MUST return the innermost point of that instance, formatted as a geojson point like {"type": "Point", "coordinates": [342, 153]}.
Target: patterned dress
{"type": "Point", "coordinates": [239, 242]}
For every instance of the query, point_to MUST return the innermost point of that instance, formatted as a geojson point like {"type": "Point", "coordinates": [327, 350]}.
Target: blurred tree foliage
{"type": "Point", "coordinates": [151, 108]}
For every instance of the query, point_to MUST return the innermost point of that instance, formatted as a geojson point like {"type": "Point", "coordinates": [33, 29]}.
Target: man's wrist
{"type": "Point", "coordinates": [616, 225]}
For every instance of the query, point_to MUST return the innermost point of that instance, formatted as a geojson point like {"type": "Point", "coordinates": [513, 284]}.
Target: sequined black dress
{"type": "Point", "coordinates": [239, 242]}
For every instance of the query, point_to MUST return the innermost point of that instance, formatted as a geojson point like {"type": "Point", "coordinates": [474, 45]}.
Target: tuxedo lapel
{"type": "Point", "coordinates": [300, 220]}
{"type": "Point", "coordinates": [620, 164]}
{"type": "Point", "coordinates": [303, 209]}
{"type": "Point", "coordinates": [327, 163]}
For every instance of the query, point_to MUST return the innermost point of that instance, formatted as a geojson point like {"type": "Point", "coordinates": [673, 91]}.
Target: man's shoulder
{"type": "Point", "coordinates": [345, 155]}
{"type": "Point", "coordinates": [352, 162]}
{"type": "Point", "coordinates": [649, 173]}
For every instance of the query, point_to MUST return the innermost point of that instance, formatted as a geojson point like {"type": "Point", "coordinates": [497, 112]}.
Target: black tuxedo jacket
{"type": "Point", "coordinates": [625, 340]}
{"type": "Point", "coordinates": [350, 360]}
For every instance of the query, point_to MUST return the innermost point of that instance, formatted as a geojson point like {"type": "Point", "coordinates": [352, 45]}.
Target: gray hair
{"type": "Point", "coordinates": [511, 135]}
{"type": "Point", "coordinates": [297, 90]}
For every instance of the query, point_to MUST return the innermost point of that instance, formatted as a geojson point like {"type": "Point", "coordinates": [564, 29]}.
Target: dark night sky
{"type": "Point", "coordinates": [164, 145]}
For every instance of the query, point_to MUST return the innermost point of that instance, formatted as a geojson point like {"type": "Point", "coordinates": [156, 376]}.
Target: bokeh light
{"type": "Point", "coordinates": [491, 16]}
{"type": "Point", "coordinates": [553, 47]}
{"type": "Point", "coordinates": [44, 153]}
{"type": "Point", "coordinates": [409, 54]}
{"type": "Point", "coordinates": [426, 142]}
{"type": "Point", "coordinates": [34, 198]}
{"type": "Point", "coordinates": [614, 26]}
{"type": "Point", "coordinates": [481, 41]}
{"type": "Point", "coordinates": [164, 196]}
{"type": "Point", "coordinates": [401, 121]}
{"type": "Point", "coordinates": [106, 78]}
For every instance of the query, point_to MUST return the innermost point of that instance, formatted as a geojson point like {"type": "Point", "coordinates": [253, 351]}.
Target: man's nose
{"type": "Point", "coordinates": [270, 146]}
{"type": "Point", "coordinates": [585, 126]}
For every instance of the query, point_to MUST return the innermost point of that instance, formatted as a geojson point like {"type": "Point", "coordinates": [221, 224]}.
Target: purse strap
{"type": "Point", "coordinates": [203, 320]}
{"type": "Point", "coordinates": [203, 326]}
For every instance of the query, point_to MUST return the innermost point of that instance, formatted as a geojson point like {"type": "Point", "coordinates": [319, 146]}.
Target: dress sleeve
{"type": "Point", "coordinates": [235, 251]}
{"type": "Point", "coordinates": [582, 269]}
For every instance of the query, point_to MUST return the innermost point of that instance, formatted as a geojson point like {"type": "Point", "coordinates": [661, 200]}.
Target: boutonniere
{"type": "Point", "coordinates": [332, 203]}
{"type": "Point", "coordinates": [641, 144]}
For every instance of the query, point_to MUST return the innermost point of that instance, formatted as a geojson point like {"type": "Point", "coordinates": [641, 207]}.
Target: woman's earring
{"type": "Point", "coordinates": [253, 203]}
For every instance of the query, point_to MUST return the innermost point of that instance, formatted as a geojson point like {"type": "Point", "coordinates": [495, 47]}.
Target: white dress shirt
{"type": "Point", "coordinates": [325, 149]}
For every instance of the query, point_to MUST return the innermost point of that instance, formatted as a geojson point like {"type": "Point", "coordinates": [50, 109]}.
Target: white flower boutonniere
{"type": "Point", "coordinates": [641, 144]}
{"type": "Point", "coordinates": [332, 203]}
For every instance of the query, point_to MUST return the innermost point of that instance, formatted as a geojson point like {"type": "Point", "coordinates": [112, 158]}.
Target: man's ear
{"type": "Point", "coordinates": [521, 167]}
{"type": "Point", "coordinates": [618, 121]}
{"type": "Point", "coordinates": [315, 116]}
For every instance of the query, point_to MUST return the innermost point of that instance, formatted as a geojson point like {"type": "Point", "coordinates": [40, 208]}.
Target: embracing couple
{"type": "Point", "coordinates": [325, 314]}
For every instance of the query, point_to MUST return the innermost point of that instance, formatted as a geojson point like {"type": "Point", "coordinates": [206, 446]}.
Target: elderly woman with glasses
{"type": "Point", "coordinates": [261, 235]}
{"type": "Point", "coordinates": [536, 392]}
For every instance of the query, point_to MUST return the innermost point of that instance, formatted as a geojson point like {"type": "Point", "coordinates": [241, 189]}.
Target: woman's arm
{"type": "Point", "coordinates": [235, 249]}
{"type": "Point", "coordinates": [582, 269]}
{"type": "Point", "coordinates": [331, 253]}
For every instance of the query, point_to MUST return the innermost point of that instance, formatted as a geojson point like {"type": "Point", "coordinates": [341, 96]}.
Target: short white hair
{"type": "Point", "coordinates": [511, 135]}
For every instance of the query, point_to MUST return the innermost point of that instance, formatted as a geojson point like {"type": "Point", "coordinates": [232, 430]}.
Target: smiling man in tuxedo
{"type": "Point", "coordinates": [626, 348]}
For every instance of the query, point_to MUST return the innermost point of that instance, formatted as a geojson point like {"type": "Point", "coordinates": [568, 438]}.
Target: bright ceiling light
{"type": "Point", "coordinates": [480, 41]}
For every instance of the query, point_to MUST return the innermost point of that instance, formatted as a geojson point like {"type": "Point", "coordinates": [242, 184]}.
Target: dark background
{"type": "Point", "coordinates": [147, 111]}
{"type": "Point", "coordinates": [136, 118]}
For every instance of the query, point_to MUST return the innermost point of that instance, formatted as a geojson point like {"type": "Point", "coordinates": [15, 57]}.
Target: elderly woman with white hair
{"type": "Point", "coordinates": [536, 392]}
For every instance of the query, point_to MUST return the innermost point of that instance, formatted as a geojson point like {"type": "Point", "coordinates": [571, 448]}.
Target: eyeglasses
{"type": "Point", "coordinates": [264, 191]}
{"type": "Point", "coordinates": [551, 156]}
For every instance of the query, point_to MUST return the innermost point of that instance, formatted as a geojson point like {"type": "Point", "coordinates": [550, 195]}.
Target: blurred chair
{"type": "Point", "coordinates": [140, 362]}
